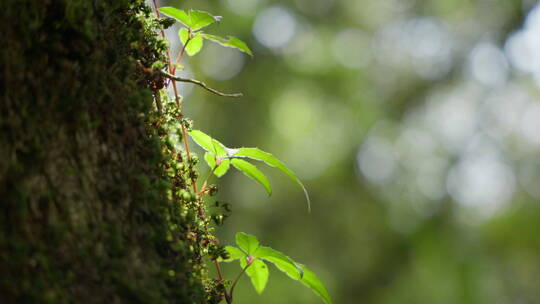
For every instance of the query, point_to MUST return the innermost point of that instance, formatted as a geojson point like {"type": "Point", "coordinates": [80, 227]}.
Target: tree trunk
{"type": "Point", "coordinates": [85, 216]}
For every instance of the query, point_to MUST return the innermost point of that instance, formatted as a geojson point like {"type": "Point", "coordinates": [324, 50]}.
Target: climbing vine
{"type": "Point", "coordinates": [186, 193]}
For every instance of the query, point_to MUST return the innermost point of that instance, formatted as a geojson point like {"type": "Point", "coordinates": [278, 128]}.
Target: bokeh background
{"type": "Point", "coordinates": [415, 126]}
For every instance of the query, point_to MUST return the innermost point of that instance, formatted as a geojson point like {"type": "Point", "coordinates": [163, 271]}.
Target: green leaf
{"type": "Point", "coordinates": [252, 171]}
{"type": "Point", "coordinates": [271, 160]}
{"type": "Point", "coordinates": [193, 19]}
{"type": "Point", "coordinates": [193, 45]}
{"type": "Point", "coordinates": [231, 42]}
{"type": "Point", "coordinates": [258, 273]}
{"type": "Point", "coordinates": [310, 280]}
{"type": "Point", "coordinates": [183, 33]}
{"type": "Point", "coordinates": [234, 253]}
{"type": "Point", "coordinates": [247, 242]}
{"type": "Point", "coordinates": [281, 261]}
{"type": "Point", "coordinates": [208, 143]}
{"type": "Point", "coordinates": [221, 169]}
{"type": "Point", "coordinates": [200, 19]}
{"type": "Point", "coordinates": [239, 44]}
{"type": "Point", "coordinates": [177, 14]}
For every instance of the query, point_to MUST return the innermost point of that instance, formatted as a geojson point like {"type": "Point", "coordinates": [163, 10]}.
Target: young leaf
{"type": "Point", "coordinates": [239, 44]}
{"type": "Point", "coordinates": [281, 261]}
{"type": "Point", "coordinates": [208, 143]}
{"type": "Point", "coordinates": [231, 42]}
{"type": "Point", "coordinates": [221, 169]}
{"type": "Point", "coordinates": [294, 270]}
{"type": "Point", "coordinates": [271, 160]}
{"type": "Point", "coordinates": [177, 14]}
{"type": "Point", "coordinates": [200, 19]}
{"type": "Point", "coordinates": [193, 45]}
{"type": "Point", "coordinates": [247, 242]}
{"type": "Point", "coordinates": [251, 246]}
{"type": "Point", "coordinates": [234, 253]}
{"type": "Point", "coordinates": [258, 273]}
{"type": "Point", "coordinates": [252, 171]}
{"type": "Point", "coordinates": [310, 280]}
{"type": "Point", "coordinates": [183, 33]}
{"type": "Point", "coordinates": [193, 19]}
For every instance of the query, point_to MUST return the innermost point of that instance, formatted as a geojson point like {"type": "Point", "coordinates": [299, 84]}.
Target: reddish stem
{"type": "Point", "coordinates": [178, 104]}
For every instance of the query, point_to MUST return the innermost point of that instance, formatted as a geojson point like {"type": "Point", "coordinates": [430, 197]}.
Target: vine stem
{"type": "Point", "coordinates": [179, 57]}
{"type": "Point", "coordinates": [203, 185]}
{"type": "Point", "coordinates": [184, 132]}
{"type": "Point", "coordinates": [199, 83]}
{"type": "Point", "coordinates": [178, 104]}
{"type": "Point", "coordinates": [229, 296]}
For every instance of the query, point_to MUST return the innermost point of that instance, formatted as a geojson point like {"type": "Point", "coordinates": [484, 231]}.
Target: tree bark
{"type": "Point", "coordinates": [84, 211]}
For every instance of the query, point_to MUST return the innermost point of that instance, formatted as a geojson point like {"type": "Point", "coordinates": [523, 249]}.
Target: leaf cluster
{"type": "Point", "coordinates": [253, 258]}
{"type": "Point", "coordinates": [219, 158]}
{"type": "Point", "coordinates": [192, 35]}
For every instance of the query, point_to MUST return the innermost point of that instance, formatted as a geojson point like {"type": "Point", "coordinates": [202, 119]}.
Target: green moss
{"type": "Point", "coordinates": [86, 217]}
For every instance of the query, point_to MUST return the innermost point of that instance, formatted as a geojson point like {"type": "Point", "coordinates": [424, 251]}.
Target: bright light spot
{"type": "Point", "coordinates": [423, 43]}
{"type": "Point", "coordinates": [377, 160]}
{"type": "Point", "coordinates": [243, 7]}
{"type": "Point", "coordinates": [530, 124]}
{"type": "Point", "coordinates": [520, 54]}
{"type": "Point", "coordinates": [533, 18]}
{"type": "Point", "coordinates": [352, 48]}
{"type": "Point", "coordinates": [523, 47]}
{"type": "Point", "coordinates": [453, 116]}
{"type": "Point", "coordinates": [488, 65]}
{"type": "Point", "coordinates": [274, 27]}
{"type": "Point", "coordinates": [221, 63]}
{"type": "Point", "coordinates": [480, 181]}
{"type": "Point", "coordinates": [427, 38]}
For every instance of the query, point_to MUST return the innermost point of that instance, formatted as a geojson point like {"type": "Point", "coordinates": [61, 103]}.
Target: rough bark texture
{"type": "Point", "coordinates": [85, 216]}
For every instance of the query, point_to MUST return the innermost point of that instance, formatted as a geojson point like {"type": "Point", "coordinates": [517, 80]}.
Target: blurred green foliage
{"type": "Point", "coordinates": [411, 123]}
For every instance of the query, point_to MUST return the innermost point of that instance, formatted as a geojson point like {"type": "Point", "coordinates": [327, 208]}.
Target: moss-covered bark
{"type": "Point", "coordinates": [86, 214]}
